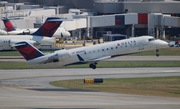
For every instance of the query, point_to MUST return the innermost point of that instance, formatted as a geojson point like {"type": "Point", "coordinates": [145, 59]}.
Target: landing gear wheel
{"type": "Point", "coordinates": [93, 66]}
{"type": "Point", "coordinates": [157, 54]}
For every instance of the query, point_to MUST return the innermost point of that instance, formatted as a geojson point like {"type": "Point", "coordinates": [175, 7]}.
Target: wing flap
{"type": "Point", "coordinates": [92, 60]}
{"type": "Point", "coordinates": [99, 59]}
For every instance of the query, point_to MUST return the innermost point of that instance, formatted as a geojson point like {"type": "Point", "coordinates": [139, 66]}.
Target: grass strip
{"type": "Point", "coordinates": [24, 65]}
{"type": "Point", "coordinates": [151, 86]}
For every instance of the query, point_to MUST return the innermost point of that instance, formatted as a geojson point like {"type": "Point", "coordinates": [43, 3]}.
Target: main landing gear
{"type": "Point", "coordinates": [92, 65]}
{"type": "Point", "coordinates": [157, 54]}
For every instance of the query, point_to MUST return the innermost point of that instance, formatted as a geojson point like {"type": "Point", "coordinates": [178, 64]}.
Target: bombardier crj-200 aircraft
{"type": "Point", "coordinates": [90, 54]}
{"type": "Point", "coordinates": [11, 30]}
{"type": "Point", "coordinates": [42, 36]}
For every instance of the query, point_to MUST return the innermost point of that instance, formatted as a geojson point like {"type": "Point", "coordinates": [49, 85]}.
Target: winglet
{"type": "Point", "coordinates": [8, 25]}
{"type": "Point", "coordinates": [49, 27]}
{"type": "Point", "coordinates": [28, 51]}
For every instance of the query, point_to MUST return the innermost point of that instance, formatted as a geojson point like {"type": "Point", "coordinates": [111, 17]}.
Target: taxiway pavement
{"type": "Point", "coordinates": [30, 89]}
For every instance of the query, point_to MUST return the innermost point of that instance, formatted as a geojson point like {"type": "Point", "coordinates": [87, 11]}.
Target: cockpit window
{"type": "Point", "coordinates": [152, 39]}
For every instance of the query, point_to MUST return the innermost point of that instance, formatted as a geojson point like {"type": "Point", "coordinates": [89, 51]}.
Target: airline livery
{"type": "Point", "coordinates": [8, 25]}
{"type": "Point", "coordinates": [11, 30]}
{"type": "Point", "coordinates": [42, 36]}
{"type": "Point", "coordinates": [90, 54]}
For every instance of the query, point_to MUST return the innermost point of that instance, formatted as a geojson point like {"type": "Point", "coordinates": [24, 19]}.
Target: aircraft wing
{"type": "Point", "coordinates": [19, 32]}
{"type": "Point", "coordinates": [13, 42]}
{"type": "Point", "coordinates": [93, 60]}
{"type": "Point", "coordinates": [99, 59]}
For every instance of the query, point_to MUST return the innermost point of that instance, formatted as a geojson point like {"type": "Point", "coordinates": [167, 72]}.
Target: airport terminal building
{"type": "Point", "coordinates": [131, 17]}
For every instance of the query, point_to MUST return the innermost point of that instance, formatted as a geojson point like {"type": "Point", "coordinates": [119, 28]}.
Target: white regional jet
{"type": "Point", "coordinates": [11, 30]}
{"type": "Point", "coordinates": [90, 54]}
{"type": "Point", "coordinates": [37, 38]}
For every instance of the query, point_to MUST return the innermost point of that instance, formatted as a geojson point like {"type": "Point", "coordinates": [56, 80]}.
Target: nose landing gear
{"type": "Point", "coordinates": [157, 54]}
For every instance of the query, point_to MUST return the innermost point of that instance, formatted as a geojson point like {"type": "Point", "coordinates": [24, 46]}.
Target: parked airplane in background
{"type": "Point", "coordinates": [37, 38]}
{"type": "Point", "coordinates": [90, 54]}
{"type": "Point", "coordinates": [11, 30]}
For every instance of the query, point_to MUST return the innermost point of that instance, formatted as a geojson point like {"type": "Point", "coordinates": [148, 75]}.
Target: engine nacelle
{"type": "Point", "coordinates": [53, 58]}
{"type": "Point", "coordinates": [26, 32]}
{"type": "Point", "coordinates": [63, 54]}
{"type": "Point", "coordinates": [57, 56]}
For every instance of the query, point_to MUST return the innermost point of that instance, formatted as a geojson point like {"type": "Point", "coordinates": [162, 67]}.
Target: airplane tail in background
{"type": "Point", "coordinates": [49, 27]}
{"type": "Point", "coordinates": [9, 26]}
{"type": "Point", "coordinates": [28, 51]}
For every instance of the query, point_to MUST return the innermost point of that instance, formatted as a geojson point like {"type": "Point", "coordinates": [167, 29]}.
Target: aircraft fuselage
{"type": "Point", "coordinates": [95, 53]}
{"type": "Point", "coordinates": [7, 41]}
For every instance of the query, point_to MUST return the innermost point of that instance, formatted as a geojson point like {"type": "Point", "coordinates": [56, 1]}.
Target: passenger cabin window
{"type": "Point", "coordinates": [152, 39]}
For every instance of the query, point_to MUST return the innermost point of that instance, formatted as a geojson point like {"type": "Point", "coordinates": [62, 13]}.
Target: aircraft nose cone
{"type": "Point", "coordinates": [68, 34]}
{"type": "Point", "coordinates": [65, 34]}
{"type": "Point", "coordinates": [164, 44]}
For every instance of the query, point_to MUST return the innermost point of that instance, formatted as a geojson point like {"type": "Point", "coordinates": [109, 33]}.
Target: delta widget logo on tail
{"type": "Point", "coordinates": [8, 25]}
{"type": "Point", "coordinates": [49, 27]}
{"type": "Point", "coordinates": [28, 51]}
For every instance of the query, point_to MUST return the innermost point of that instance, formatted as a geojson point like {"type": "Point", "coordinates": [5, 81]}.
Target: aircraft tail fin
{"type": "Point", "coordinates": [8, 25]}
{"type": "Point", "coordinates": [49, 27]}
{"type": "Point", "coordinates": [28, 51]}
